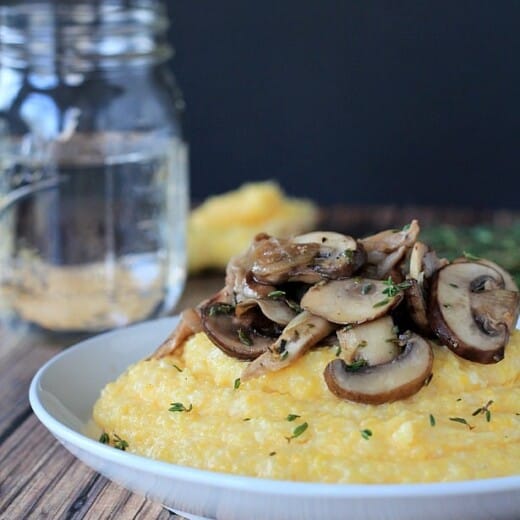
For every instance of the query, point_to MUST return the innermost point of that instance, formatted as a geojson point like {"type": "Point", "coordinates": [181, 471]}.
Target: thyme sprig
{"type": "Point", "coordinates": [484, 410]}
{"type": "Point", "coordinates": [179, 407]}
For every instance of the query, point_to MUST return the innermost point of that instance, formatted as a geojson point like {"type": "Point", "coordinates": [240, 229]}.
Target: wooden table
{"type": "Point", "coordinates": [40, 479]}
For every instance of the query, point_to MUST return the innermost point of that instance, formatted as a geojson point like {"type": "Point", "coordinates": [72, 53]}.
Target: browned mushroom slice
{"type": "Point", "coordinates": [244, 337]}
{"type": "Point", "coordinates": [276, 310]}
{"type": "Point", "coordinates": [374, 342]}
{"type": "Point", "coordinates": [302, 333]}
{"type": "Point", "coordinates": [423, 263]}
{"type": "Point", "coordinates": [339, 255]}
{"type": "Point", "coordinates": [391, 239]}
{"type": "Point", "coordinates": [397, 379]}
{"type": "Point", "coordinates": [509, 282]}
{"type": "Point", "coordinates": [471, 312]}
{"type": "Point", "coordinates": [189, 324]}
{"type": "Point", "coordinates": [240, 280]}
{"type": "Point", "coordinates": [386, 250]}
{"type": "Point", "coordinates": [354, 300]}
{"type": "Point", "coordinates": [275, 261]}
{"type": "Point", "coordinates": [417, 307]}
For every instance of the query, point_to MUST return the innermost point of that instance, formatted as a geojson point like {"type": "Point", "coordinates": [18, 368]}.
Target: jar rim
{"type": "Point", "coordinates": [85, 34]}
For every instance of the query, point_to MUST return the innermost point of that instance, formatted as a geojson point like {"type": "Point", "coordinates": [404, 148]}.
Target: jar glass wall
{"type": "Point", "coordinates": [93, 179]}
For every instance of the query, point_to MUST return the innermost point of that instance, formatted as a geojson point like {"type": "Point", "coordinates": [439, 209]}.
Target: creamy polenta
{"type": "Point", "coordinates": [191, 408]}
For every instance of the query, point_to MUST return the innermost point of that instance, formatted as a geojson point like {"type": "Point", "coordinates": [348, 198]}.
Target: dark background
{"type": "Point", "coordinates": [359, 102]}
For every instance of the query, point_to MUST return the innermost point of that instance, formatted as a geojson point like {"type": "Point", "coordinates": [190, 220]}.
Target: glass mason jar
{"type": "Point", "coordinates": [93, 167]}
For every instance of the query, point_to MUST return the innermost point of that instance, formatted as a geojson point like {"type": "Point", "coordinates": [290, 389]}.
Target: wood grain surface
{"type": "Point", "coordinates": [40, 479]}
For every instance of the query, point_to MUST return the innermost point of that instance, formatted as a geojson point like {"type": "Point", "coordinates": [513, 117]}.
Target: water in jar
{"type": "Point", "coordinates": [91, 243]}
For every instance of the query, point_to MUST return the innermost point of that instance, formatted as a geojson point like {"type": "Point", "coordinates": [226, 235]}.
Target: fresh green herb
{"type": "Point", "coordinates": [461, 420]}
{"type": "Point", "coordinates": [236, 384]}
{"type": "Point", "coordinates": [179, 407]}
{"type": "Point", "coordinates": [276, 295]}
{"type": "Point", "coordinates": [338, 350]}
{"type": "Point", "coordinates": [405, 228]}
{"type": "Point", "coordinates": [284, 355]}
{"type": "Point", "coordinates": [218, 309]}
{"type": "Point", "coordinates": [498, 243]}
{"type": "Point", "coordinates": [298, 431]}
{"type": "Point", "coordinates": [244, 337]}
{"type": "Point", "coordinates": [348, 254]}
{"type": "Point", "coordinates": [120, 444]}
{"type": "Point", "coordinates": [292, 417]}
{"type": "Point", "coordinates": [432, 420]}
{"type": "Point", "coordinates": [104, 438]}
{"type": "Point", "coordinates": [459, 399]}
{"type": "Point", "coordinates": [294, 306]}
{"type": "Point", "coordinates": [179, 369]}
{"type": "Point", "coordinates": [356, 365]}
{"type": "Point", "coordinates": [446, 305]}
{"type": "Point", "coordinates": [484, 410]}
{"type": "Point", "coordinates": [454, 285]}
{"type": "Point", "coordinates": [393, 289]}
{"type": "Point", "coordinates": [366, 434]}
{"type": "Point", "coordinates": [381, 303]}
{"type": "Point", "coordinates": [272, 453]}
{"type": "Point", "coordinates": [362, 343]}
{"type": "Point", "coordinates": [246, 419]}
{"type": "Point", "coordinates": [366, 288]}
{"type": "Point", "coordinates": [469, 256]}
{"type": "Point", "coordinates": [428, 379]}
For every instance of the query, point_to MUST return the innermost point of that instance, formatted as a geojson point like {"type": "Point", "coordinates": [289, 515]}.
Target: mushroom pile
{"type": "Point", "coordinates": [378, 300]}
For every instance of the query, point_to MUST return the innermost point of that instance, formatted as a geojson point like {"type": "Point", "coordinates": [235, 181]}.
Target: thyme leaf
{"type": "Point", "coordinates": [366, 434]}
{"type": "Point", "coordinates": [298, 431]}
{"type": "Point", "coordinates": [179, 407]}
{"type": "Point", "coordinates": [120, 444]}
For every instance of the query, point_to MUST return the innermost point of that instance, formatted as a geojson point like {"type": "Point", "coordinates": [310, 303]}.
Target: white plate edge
{"type": "Point", "coordinates": [247, 483]}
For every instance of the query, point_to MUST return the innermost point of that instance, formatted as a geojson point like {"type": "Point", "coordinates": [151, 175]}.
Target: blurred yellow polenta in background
{"type": "Point", "coordinates": [224, 225]}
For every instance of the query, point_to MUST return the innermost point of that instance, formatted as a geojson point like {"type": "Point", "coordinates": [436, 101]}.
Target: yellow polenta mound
{"type": "Point", "coordinates": [246, 430]}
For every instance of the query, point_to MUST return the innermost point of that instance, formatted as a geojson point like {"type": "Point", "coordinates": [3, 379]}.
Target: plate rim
{"type": "Point", "coordinates": [242, 482]}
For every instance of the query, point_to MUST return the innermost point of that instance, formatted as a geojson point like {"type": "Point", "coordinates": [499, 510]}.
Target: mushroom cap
{"type": "Point", "coordinates": [274, 261]}
{"type": "Point", "coordinates": [397, 379]}
{"type": "Point", "coordinates": [340, 256]}
{"type": "Point", "coordinates": [471, 312]}
{"type": "Point", "coordinates": [354, 300]}
{"type": "Point", "coordinates": [243, 337]}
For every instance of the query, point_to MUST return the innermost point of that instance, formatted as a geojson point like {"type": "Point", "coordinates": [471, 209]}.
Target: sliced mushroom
{"type": "Point", "coordinates": [275, 310]}
{"type": "Point", "coordinates": [509, 282]}
{"type": "Point", "coordinates": [417, 307]}
{"type": "Point", "coordinates": [189, 324]}
{"type": "Point", "coordinates": [471, 312]}
{"type": "Point", "coordinates": [339, 256]}
{"type": "Point", "coordinates": [243, 337]}
{"type": "Point", "coordinates": [391, 239]}
{"type": "Point", "coordinates": [386, 250]}
{"type": "Point", "coordinates": [274, 261]}
{"type": "Point", "coordinates": [423, 263]}
{"type": "Point", "coordinates": [397, 379]}
{"type": "Point", "coordinates": [354, 300]}
{"type": "Point", "coordinates": [374, 342]}
{"type": "Point", "coordinates": [302, 333]}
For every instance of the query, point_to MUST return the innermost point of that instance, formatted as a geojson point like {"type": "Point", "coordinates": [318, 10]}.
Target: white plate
{"type": "Point", "coordinates": [63, 393]}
